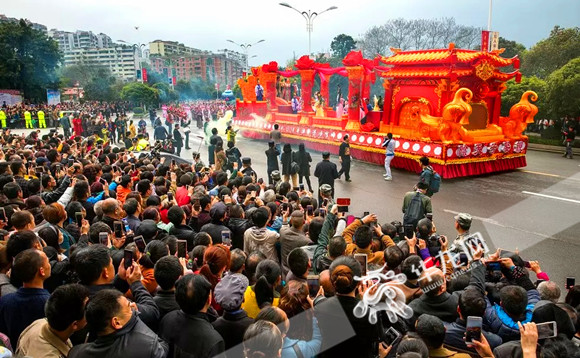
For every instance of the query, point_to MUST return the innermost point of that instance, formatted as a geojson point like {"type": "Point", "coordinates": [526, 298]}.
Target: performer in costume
{"type": "Point", "coordinates": [259, 92]}
{"type": "Point", "coordinates": [319, 105]}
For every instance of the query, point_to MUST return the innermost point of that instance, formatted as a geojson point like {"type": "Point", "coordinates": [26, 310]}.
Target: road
{"type": "Point", "coordinates": [535, 209]}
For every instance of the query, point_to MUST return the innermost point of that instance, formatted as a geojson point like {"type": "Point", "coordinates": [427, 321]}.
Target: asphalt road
{"type": "Point", "coordinates": [535, 209]}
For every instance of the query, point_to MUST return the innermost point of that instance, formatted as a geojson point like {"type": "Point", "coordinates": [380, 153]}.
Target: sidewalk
{"type": "Point", "coordinates": [551, 148]}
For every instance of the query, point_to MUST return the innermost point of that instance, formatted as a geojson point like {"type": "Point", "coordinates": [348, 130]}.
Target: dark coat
{"type": "Point", "coordinates": [232, 326]}
{"type": "Point", "coordinates": [287, 159]}
{"type": "Point", "coordinates": [165, 301]}
{"type": "Point", "coordinates": [326, 172]}
{"type": "Point", "coordinates": [238, 227]}
{"type": "Point", "coordinates": [135, 339]}
{"type": "Point", "coordinates": [177, 138]}
{"type": "Point", "coordinates": [184, 232]}
{"type": "Point", "coordinates": [272, 159]}
{"type": "Point", "coordinates": [215, 231]}
{"type": "Point", "coordinates": [190, 335]}
{"type": "Point", "coordinates": [303, 159]}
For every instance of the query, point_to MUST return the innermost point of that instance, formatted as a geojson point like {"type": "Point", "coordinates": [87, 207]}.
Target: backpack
{"type": "Point", "coordinates": [232, 157]}
{"type": "Point", "coordinates": [435, 183]}
{"type": "Point", "coordinates": [414, 212]}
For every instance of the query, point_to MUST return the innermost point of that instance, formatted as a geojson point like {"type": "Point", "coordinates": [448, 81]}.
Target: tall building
{"type": "Point", "coordinates": [208, 66]}
{"type": "Point", "coordinates": [170, 48]}
{"type": "Point", "coordinates": [123, 61]}
{"type": "Point", "coordinates": [40, 27]}
{"type": "Point", "coordinates": [80, 39]}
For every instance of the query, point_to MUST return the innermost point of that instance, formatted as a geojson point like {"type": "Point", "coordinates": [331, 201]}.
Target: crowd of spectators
{"type": "Point", "coordinates": [105, 254]}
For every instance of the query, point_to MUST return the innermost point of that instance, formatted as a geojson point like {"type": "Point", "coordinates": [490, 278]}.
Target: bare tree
{"type": "Point", "coordinates": [468, 37]}
{"type": "Point", "coordinates": [418, 33]}
{"type": "Point", "coordinates": [375, 41]}
{"type": "Point", "coordinates": [398, 32]}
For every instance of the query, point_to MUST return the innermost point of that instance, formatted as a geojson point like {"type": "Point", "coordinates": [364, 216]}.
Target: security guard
{"type": "Point", "coordinates": [3, 118]}
{"type": "Point", "coordinates": [41, 121]}
{"type": "Point", "coordinates": [28, 119]}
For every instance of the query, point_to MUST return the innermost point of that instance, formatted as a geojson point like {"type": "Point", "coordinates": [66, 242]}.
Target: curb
{"type": "Point", "coordinates": [551, 148]}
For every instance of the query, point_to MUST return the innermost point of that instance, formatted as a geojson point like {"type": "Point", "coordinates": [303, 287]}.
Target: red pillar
{"type": "Point", "coordinates": [355, 75]}
{"type": "Point", "coordinates": [270, 87]}
{"type": "Point", "coordinates": [388, 98]}
{"type": "Point", "coordinates": [307, 77]}
{"type": "Point", "coordinates": [324, 80]}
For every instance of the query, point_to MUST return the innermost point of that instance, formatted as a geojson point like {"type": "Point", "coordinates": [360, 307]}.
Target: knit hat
{"type": "Point", "coordinates": [229, 292]}
{"type": "Point", "coordinates": [463, 219]}
{"type": "Point", "coordinates": [325, 188]}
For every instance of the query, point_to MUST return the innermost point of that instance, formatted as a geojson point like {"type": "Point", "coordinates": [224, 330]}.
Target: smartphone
{"type": "Point", "coordinates": [133, 166]}
{"type": "Point", "coordinates": [343, 201]}
{"type": "Point", "coordinates": [226, 238]}
{"type": "Point", "coordinates": [181, 248]}
{"type": "Point", "coordinates": [313, 285]}
{"type": "Point", "coordinates": [58, 167]}
{"type": "Point", "coordinates": [2, 214]}
{"type": "Point", "coordinates": [301, 186]}
{"type": "Point", "coordinates": [118, 229]}
{"type": "Point", "coordinates": [409, 230]}
{"type": "Point", "coordinates": [473, 329]}
{"type": "Point", "coordinates": [547, 330]}
{"type": "Point", "coordinates": [322, 212]}
{"type": "Point", "coordinates": [128, 258]}
{"type": "Point", "coordinates": [366, 213]}
{"type": "Point", "coordinates": [39, 170]}
{"type": "Point", "coordinates": [196, 205]}
{"type": "Point", "coordinates": [104, 238]}
{"type": "Point", "coordinates": [173, 162]}
{"type": "Point", "coordinates": [71, 162]}
{"type": "Point", "coordinates": [527, 264]}
{"type": "Point", "coordinates": [391, 336]}
{"type": "Point", "coordinates": [140, 243]}
{"type": "Point", "coordinates": [79, 218]}
{"type": "Point", "coordinates": [493, 266]}
{"type": "Point", "coordinates": [429, 216]}
{"type": "Point", "coordinates": [570, 281]}
{"type": "Point", "coordinates": [170, 196]}
{"type": "Point", "coordinates": [363, 261]}
{"type": "Point", "coordinates": [284, 207]}
{"type": "Point", "coordinates": [343, 209]}
{"type": "Point", "coordinates": [260, 181]}
{"type": "Point", "coordinates": [310, 210]}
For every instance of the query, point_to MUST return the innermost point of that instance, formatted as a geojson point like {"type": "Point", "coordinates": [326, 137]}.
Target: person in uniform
{"type": "Point", "coordinates": [326, 172]}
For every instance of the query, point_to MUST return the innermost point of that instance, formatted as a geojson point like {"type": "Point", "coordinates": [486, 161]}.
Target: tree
{"type": "Point", "coordinates": [511, 48]}
{"type": "Point", "coordinates": [514, 91]}
{"type": "Point", "coordinates": [375, 41]}
{"type": "Point", "coordinates": [139, 94]}
{"type": "Point", "coordinates": [80, 73]}
{"type": "Point", "coordinates": [28, 59]}
{"type": "Point", "coordinates": [101, 87]}
{"type": "Point", "coordinates": [341, 45]}
{"type": "Point", "coordinates": [552, 53]}
{"type": "Point", "coordinates": [564, 90]}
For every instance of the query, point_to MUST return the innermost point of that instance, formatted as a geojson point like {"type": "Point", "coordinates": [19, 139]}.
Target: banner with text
{"type": "Point", "coordinates": [484, 40]}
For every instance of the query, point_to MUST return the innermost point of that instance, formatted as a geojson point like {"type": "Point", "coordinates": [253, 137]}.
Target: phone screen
{"type": "Point", "coordinates": [366, 213]}
{"type": "Point", "coordinates": [409, 230]}
{"type": "Point", "coordinates": [570, 281]}
{"type": "Point", "coordinates": [71, 162]}
{"type": "Point", "coordinates": [128, 258]}
{"type": "Point", "coordinates": [322, 212]}
{"type": "Point", "coordinates": [391, 336]}
{"type": "Point", "coordinates": [226, 238]}
{"type": "Point", "coordinates": [104, 238]}
{"type": "Point", "coordinates": [310, 210]}
{"type": "Point", "coordinates": [172, 161]}
{"type": "Point", "coordinates": [140, 243]}
{"type": "Point", "coordinates": [493, 266]}
{"type": "Point", "coordinates": [362, 260]}
{"type": "Point", "coordinates": [118, 229]}
{"type": "Point", "coordinates": [473, 329]}
{"type": "Point", "coordinates": [181, 248]}
{"type": "Point", "coordinates": [546, 330]}
{"type": "Point", "coordinates": [79, 218]}
{"type": "Point", "coordinates": [313, 285]}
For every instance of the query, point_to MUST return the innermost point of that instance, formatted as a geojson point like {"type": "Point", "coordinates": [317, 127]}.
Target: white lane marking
{"type": "Point", "coordinates": [552, 197]}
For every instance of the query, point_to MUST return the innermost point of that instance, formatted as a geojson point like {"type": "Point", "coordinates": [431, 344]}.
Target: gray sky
{"type": "Point", "coordinates": [208, 24]}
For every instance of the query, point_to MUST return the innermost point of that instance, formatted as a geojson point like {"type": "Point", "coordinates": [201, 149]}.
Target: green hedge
{"type": "Point", "coordinates": [547, 141]}
{"type": "Point", "coordinates": [138, 110]}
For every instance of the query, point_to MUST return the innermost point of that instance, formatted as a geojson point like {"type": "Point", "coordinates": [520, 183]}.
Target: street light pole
{"type": "Point", "coordinates": [245, 47]}
{"type": "Point", "coordinates": [309, 16]}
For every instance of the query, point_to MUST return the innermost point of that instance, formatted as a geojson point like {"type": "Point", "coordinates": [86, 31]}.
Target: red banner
{"type": "Point", "coordinates": [174, 80]}
{"type": "Point", "coordinates": [484, 40]}
{"type": "Point", "coordinates": [144, 74]}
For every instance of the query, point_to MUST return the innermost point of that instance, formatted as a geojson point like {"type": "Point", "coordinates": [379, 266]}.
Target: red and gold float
{"type": "Point", "coordinates": [443, 104]}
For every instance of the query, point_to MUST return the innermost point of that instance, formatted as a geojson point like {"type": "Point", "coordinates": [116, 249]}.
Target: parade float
{"type": "Point", "coordinates": [443, 104]}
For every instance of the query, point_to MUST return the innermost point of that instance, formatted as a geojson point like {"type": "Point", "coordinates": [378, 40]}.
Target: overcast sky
{"type": "Point", "coordinates": [208, 24]}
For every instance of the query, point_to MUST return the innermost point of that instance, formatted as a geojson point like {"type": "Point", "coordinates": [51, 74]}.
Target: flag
{"type": "Point", "coordinates": [484, 41]}
{"type": "Point", "coordinates": [144, 74]}
{"type": "Point", "coordinates": [494, 41]}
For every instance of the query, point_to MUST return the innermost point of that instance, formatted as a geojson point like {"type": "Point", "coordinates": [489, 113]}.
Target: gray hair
{"type": "Point", "coordinates": [549, 291]}
{"type": "Point", "coordinates": [269, 196]}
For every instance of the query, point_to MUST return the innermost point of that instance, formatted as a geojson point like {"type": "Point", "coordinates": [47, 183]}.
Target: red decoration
{"type": "Point", "coordinates": [304, 63]}
{"type": "Point", "coordinates": [144, 74]}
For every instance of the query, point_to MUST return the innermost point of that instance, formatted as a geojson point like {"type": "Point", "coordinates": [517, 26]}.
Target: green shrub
{"type": "Point", "coordinates": [138, 110]}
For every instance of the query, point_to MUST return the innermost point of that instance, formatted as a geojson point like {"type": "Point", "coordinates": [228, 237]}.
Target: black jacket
{"type": "Point", "coordinates": [238, 227]}
{"type": "Point", "coordinates": [165, 301]}
{"type": "Point", "coordinates": [50, 197]}
{"type": "Point", "coordinates": [287, 159]}
{"type": "Point", "coordinates": [215, 231]}
{"type": "Point", "coordinates": [135, 339]}
{"type": "Point", "coordinates": [303, 159]}
{"type": "Point", "coordinates": [272, 159]}
{"type": "Point", "coordinates": [184, 232]}
{"type": "Point", "coordinates": [232, 326]}
{"type": "Point", "coordinates": [160, 133]}
{"type": "Point", "coordinates": [177, 138]}
{"type": "Point", "coordinates": [190, 335]}
{"type": "Point", "coordinates": [326, 172]}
